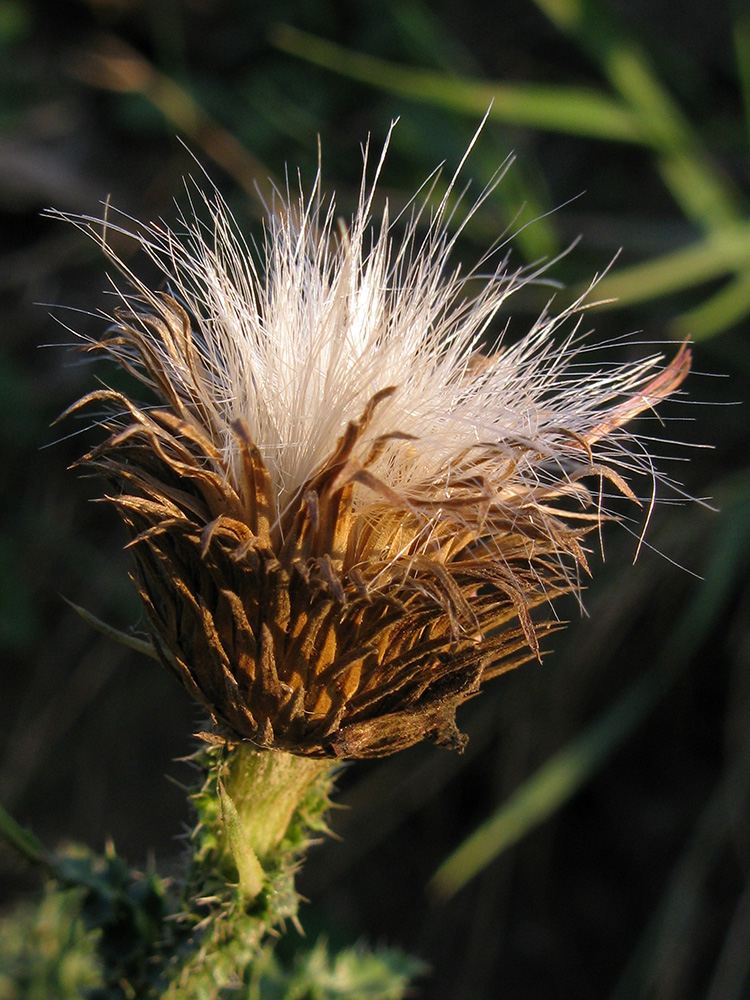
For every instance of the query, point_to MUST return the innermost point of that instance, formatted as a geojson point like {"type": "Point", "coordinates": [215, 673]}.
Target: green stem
{"type": "Point", "coordinates": [267, 788]}
{"type": "Point", "coordinates": [256, 811]}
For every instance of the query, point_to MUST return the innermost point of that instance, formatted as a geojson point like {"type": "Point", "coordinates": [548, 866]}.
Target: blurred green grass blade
{"type": "Point", "coordinates": [429, 39]}
{"type": "Point", "coordinates": [670, 923]}
{"type": "Point", "coordinates": [16, 22]}
{"type": "Point", "coordinates": [731, 974]}
{"type": "Point", "coordinates": [22, 840]}
{"type": "Point", "coordinates": [144, 646]}
{"type": "Point", "coordinates": [685, 165]}
{"type": "Point", "coordinates": [726, 308]}
{"type": "Point", "coordinates": [717, 254]}
{"type": "Point", "coordinates": [669, 926]}
{"type": "Point", "coordinates": [567, 771]}
{"type": "Point", "coordinates": [524, 196]}
{"type": "Point", "coordinates": [545, 792]}
{"type": "Point", "coordinates": [576, 110]}
{"type": "Point", "coordinates": [532, 230]}
{"type": "Point", "coordinates": [108, 62]}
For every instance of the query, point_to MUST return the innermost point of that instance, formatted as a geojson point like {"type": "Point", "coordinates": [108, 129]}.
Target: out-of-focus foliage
{"type": "Point", "coordinates": [45, 950]}
{"type": "Point", "coordinates": [353, 974]}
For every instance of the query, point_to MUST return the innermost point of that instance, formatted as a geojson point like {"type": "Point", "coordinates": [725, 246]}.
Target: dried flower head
{"type": "Point", "coordinates": [342, 513]}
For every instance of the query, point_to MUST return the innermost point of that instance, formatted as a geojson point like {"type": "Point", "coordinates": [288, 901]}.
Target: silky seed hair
{"type": "Point", "coordinates": [343, 511]}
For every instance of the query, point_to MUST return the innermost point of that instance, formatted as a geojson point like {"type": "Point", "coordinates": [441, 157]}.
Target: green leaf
{"type": "Point", "coordinates": [523, 198]}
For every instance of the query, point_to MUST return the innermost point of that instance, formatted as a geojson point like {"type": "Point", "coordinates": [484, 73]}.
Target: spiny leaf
{"type": "Point", "coordinates": [249, 869]}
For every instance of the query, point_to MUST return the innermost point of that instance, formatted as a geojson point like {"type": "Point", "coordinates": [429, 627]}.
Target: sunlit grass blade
{"type": "Point", "coordinates": [714, 256]}
{"type": "Point", "coordinates": [726, 308]}
{"type": "Point", "coordinates": [576, 110]}
{"type": "Point", "coordinates": [687, 169]}
{"type": "Point", "coordinates": [546, 791]}
{"type": "Point", "coordinates": [567, 771]}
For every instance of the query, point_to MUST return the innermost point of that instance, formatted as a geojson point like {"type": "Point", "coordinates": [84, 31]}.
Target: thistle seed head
{"type": "Point", "coordinates": [342, 514]}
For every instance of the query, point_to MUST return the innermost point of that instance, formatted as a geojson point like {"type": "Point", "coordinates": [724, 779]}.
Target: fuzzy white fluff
{"type": "Point", "coordinates": [297, 336]}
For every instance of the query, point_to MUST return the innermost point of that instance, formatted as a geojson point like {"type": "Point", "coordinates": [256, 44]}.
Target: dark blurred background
{"type": "Point", "coordinates": [636, 885]}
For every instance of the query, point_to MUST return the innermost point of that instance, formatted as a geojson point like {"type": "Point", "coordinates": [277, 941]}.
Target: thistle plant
{"type": "Point", "coordinates": [351, 502]}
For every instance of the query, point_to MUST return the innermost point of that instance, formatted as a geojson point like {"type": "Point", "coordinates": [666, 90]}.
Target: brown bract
{"type": "Point", "coordinates": [354, 621]}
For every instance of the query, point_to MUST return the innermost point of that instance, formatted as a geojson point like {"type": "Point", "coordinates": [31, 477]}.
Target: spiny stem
{"type": "Point", "coordinates": [256, 811]}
